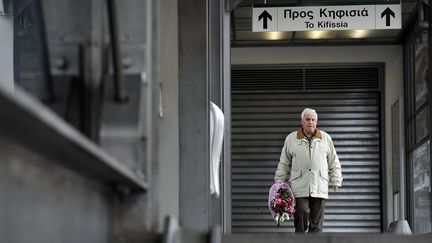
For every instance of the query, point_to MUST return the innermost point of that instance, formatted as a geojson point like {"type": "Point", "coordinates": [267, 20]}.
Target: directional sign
{"type": "Point", "coordinates": [387, 13]}
{"type": "Point", "coordinates": [267, 19]}
{"type": "Point", "coordinates": [345, 17]}
{"type": "Point", "coordinates": [389, 17]}
{"type": "Point", "coordinates": [264, 16]}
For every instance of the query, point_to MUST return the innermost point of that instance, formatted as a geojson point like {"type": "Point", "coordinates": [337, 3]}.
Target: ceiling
{"type": "Point", "coordinates": [242, 35]}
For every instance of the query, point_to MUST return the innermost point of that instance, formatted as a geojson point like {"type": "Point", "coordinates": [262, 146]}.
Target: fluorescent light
{"type": "Point", "coordinates": [359, 33]}
{"type": "Point", "coordinates": [317, 34]}
{"type": "Point", "coordinates": [274, 35]}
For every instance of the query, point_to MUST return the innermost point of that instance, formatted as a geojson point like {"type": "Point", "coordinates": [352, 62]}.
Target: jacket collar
{"type": "Point", "coordinates": [301, 135]}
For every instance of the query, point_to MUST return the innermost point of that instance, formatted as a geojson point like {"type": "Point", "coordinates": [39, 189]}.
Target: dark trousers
{"type": "Point", "coordinates": [309, 214]}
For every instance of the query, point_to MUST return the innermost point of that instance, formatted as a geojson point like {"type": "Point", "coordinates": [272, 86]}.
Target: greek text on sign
{"type": "Point", "coordinates": [327, 18]}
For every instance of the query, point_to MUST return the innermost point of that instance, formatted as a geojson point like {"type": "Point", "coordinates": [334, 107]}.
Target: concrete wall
{"type": "Point", "coordinates": [44, 202]}
{"type": "Point", "coordinates": [392, 56]}
{"type": "Point", "coordinates": [6, 51]}
{"type": "Point", "coordinates": [169, 124]}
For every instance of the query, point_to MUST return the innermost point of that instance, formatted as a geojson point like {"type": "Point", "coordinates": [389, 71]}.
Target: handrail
{"type": "Point", "coordinates": [172, 230]}
{"type": "Point", "coordinates": [120, 94]}
{"type": "Point", "coordinates": [26, 121]}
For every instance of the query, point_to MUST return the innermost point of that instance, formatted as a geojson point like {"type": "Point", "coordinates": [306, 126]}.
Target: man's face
{"type": "Point", "coordinates": [309, 123]}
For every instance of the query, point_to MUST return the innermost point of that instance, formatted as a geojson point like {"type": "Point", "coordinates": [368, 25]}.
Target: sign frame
{"type": "Point", "coordinates": [335, 17]}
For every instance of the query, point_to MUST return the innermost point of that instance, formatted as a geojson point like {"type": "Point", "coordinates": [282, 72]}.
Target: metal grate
{"type": "Point", "coordinates": [262, 118]}
{"type": "Point", "coordinates": [342, 78]}
{"type": "Point", "coordinates": [306, 78]}
{"type": "Point", "coordinates": [267, 79]}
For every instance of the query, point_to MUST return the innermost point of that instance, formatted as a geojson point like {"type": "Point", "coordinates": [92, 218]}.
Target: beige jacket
{"type": "Point", "coordinates": [309, 167]}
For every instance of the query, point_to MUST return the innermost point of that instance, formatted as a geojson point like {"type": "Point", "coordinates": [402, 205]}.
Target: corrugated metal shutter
{"type": "Point", "coordinates": [263, 116]}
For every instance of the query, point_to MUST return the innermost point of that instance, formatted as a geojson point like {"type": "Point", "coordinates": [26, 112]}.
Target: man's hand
{"type": "Point", "coordinates": [335, 188]}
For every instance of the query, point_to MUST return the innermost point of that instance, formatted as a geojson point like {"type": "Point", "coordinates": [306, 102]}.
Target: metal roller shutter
{"type": "Point", "coordinates": [266, 106]}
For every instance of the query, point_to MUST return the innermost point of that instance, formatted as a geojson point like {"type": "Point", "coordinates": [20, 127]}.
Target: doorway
{"type": "Point", "coordinates": [266, 102]}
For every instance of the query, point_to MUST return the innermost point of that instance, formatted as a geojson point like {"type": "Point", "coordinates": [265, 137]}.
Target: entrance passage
{"type": "Point", "coordinates": [266, 106]}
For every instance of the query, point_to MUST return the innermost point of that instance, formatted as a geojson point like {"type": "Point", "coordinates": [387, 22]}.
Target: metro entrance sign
{"type": "Point", "coordinates": [344, 17]}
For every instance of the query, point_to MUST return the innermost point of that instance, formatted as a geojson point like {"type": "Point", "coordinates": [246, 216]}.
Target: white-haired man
{"type": "Point", "coordinates": [310, 163]}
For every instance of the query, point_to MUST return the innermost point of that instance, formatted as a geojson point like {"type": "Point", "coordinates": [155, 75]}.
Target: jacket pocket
{"type": "Point", "coordinates": [323, 182]}
{"type": "Point", "coordinates": [324, 175]}
{"type": "Point", "coordinates": [295, 175]}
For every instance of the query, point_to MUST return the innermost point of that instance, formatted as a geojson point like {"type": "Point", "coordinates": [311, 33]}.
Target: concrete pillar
{"type": "Point", "coordinates": [6, 49]}
{"type": "Point", "coordinates": [194, 198]}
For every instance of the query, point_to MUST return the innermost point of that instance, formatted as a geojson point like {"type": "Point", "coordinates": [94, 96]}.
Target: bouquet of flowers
{"type": "Point", "coordinates": [281, 202]}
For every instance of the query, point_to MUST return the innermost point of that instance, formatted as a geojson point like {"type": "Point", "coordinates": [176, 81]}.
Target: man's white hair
{"type": "Point", "coordinates": [309, 111]}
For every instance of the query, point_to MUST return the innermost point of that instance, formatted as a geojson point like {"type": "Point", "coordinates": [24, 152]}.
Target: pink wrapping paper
{"type": "Point", "coordinates": [272, 192]}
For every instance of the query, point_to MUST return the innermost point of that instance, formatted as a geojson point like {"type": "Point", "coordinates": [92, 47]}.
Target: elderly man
{"type": "Point", "coordinates": [310, 163]}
